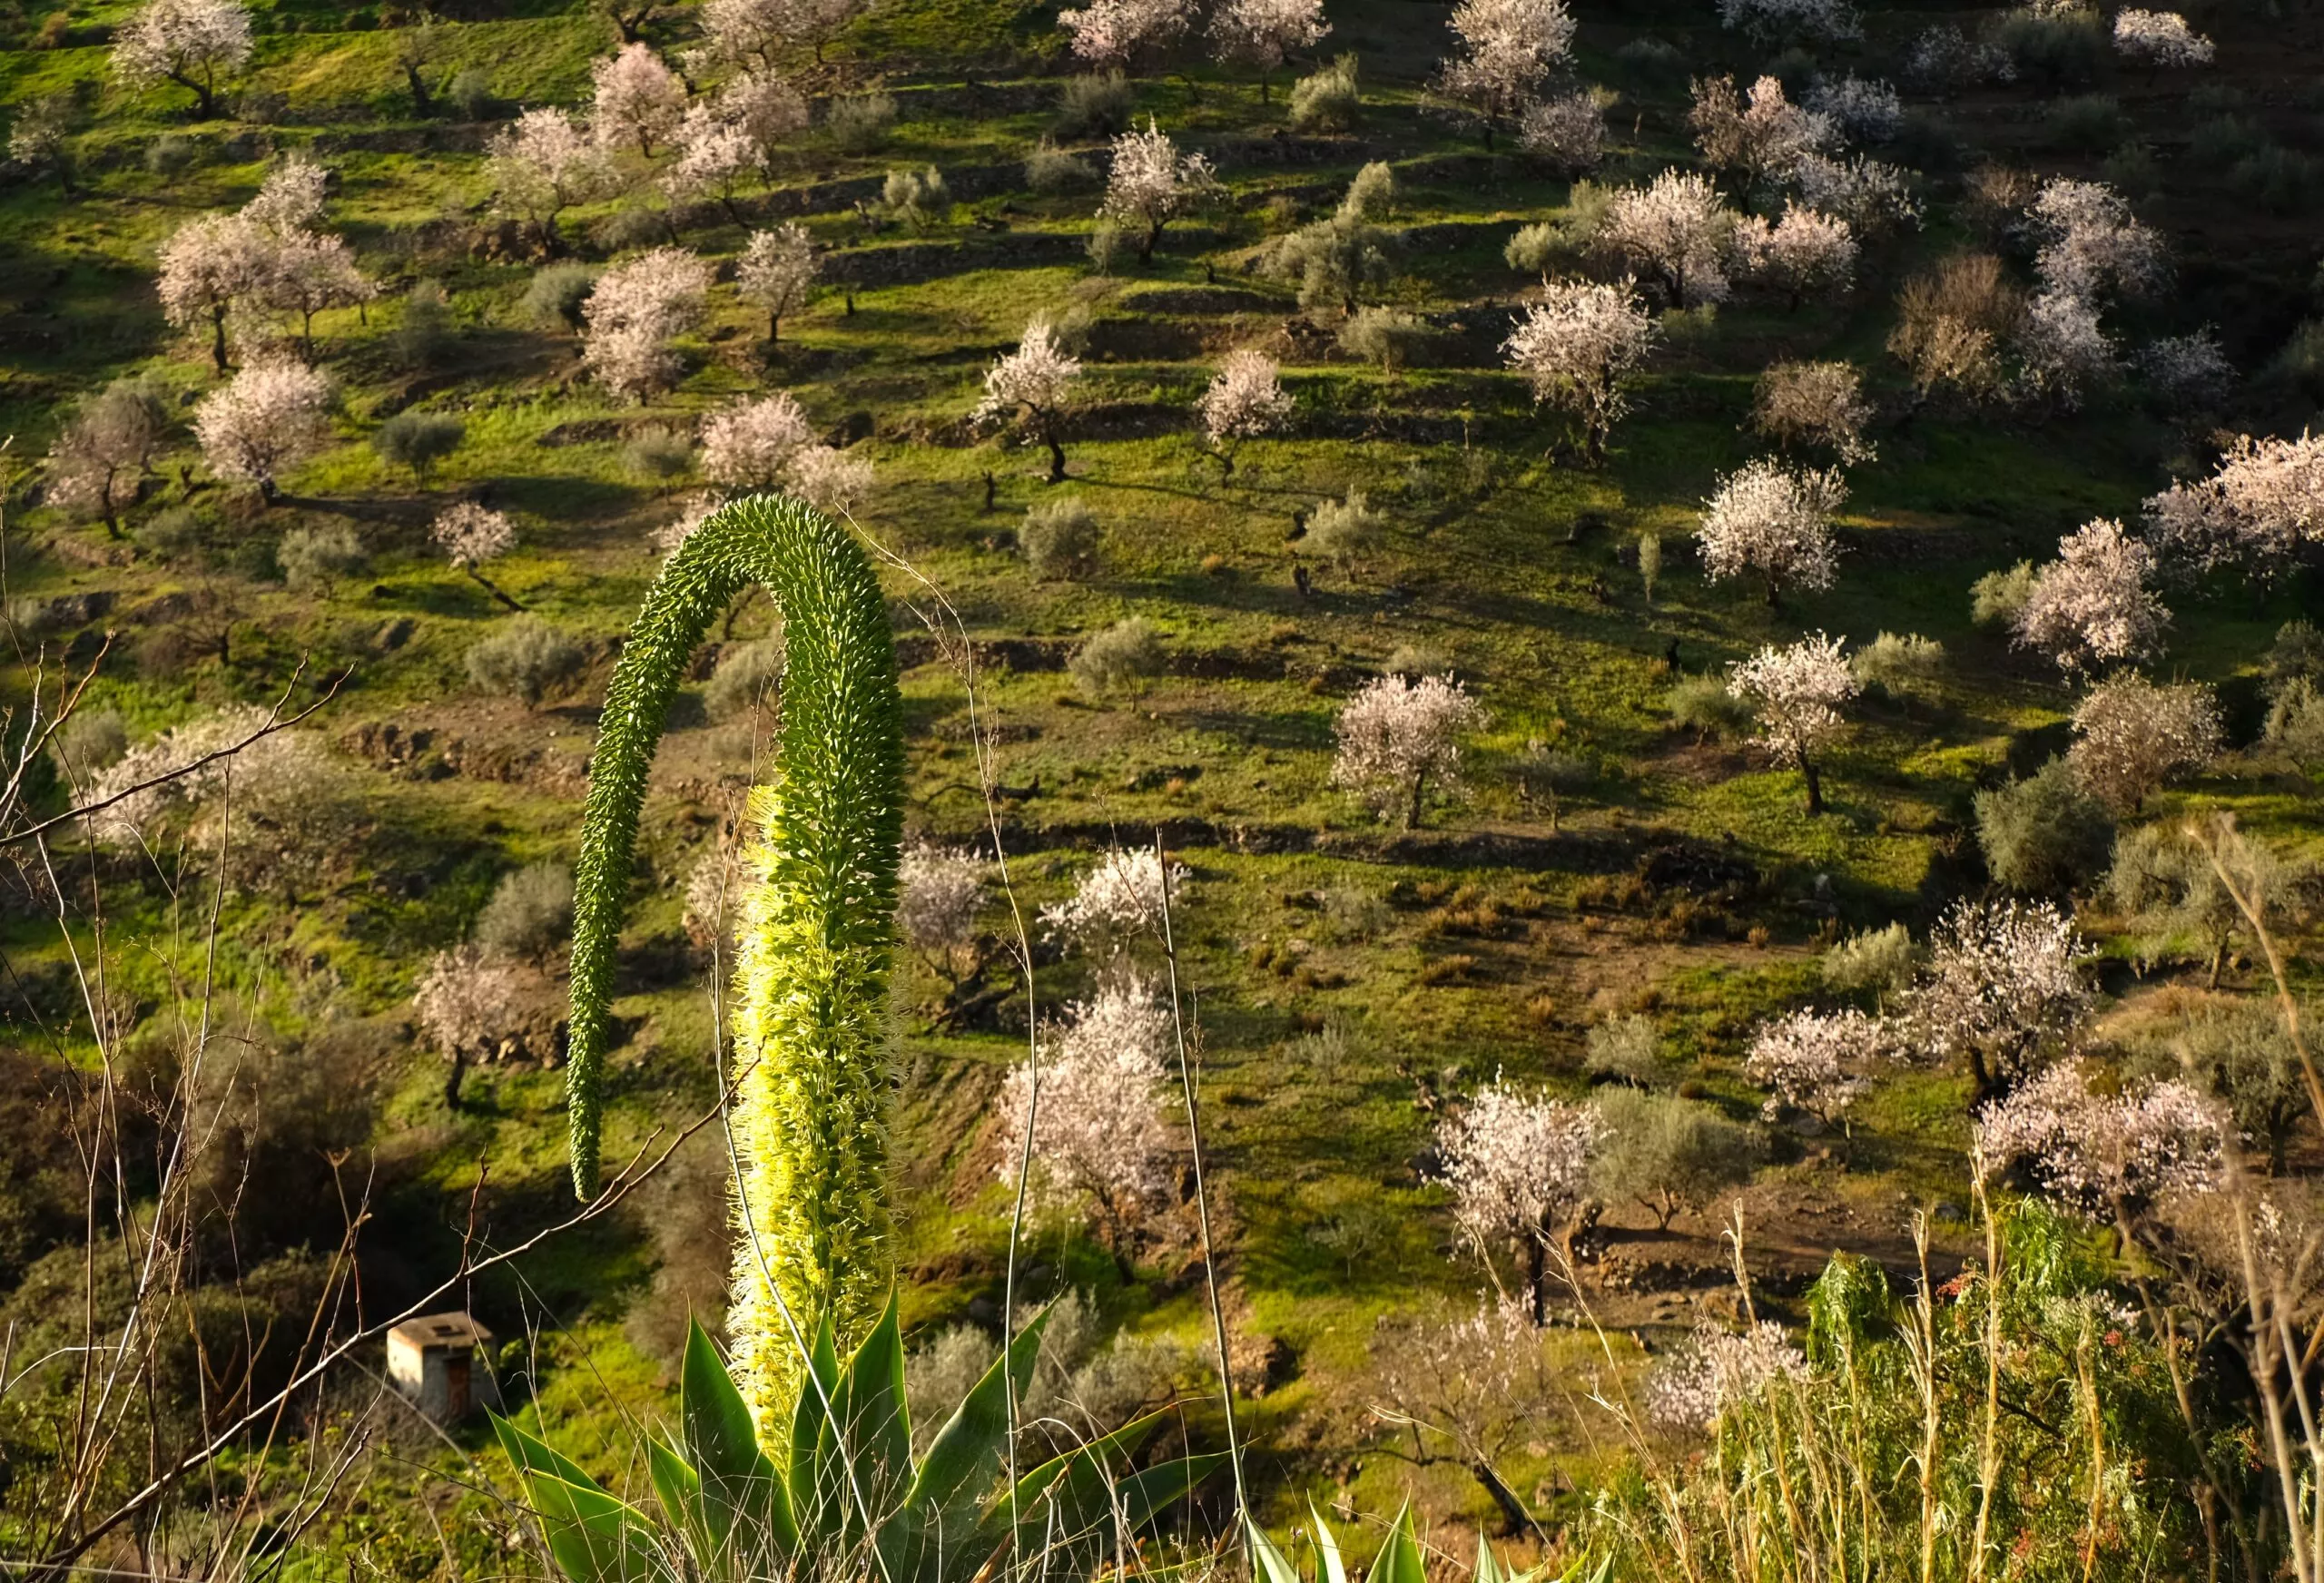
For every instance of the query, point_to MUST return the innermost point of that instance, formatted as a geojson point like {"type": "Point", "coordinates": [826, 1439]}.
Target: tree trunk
{"type": "Point", "coordinates": [1982, 1088]}
{"type": "Point", "coordinates": [2219, 953]}
{"type": "Point", "coordinates": [774, 326]}
{"type": "Point", "coordinates": [422, 103]}
{"type": "Point", "coordinates": [1153, 239]}
{"type": "Point", "coordinates": [453, 1080]}
{"type": "Point", "coordinates": [1814, 786]}
{"type": "Point", "coordinates": [218, 339]}
{"type": "Point", "coordinates": [487, 584]}
{"type": "Point", "coordinates": [1420, 791]}
{"type": "Point", "coordinates": [1056, 460]}
{"type": "Point", "coordinates": [1514, 1519]}
{"type": "Point", "coordinates": [1536, 1279]}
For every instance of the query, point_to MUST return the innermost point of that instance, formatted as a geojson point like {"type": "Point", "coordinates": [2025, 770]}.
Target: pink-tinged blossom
{"type": "Point", "coordinates": [1245, 400]}
{"type": "Point", "coordinates": [542, 164]}
{"type": "Point", "coordinates": [1029, 389]}
{"type": "Point", "coordinates": [1398, 737]}
{"type": "Point", "coordinates": [1770, 21]}
{"type": "Point", "coordinates": [2188, 371]}
{"type": "Point", "coordinates": [1506, 49]}
{"type": "Point", "coordinates": [1818, 1061]}
{"type": "Point", "coordinates": [2160, 38]}
{"type": "Point", "coordinates": [269, 416]}
{"type": "Point", "coordinates": [1518, 1164]}
{"type": "Point", "coordinates": [1797, 694]}
{"type": "Point", "coordinates": [1263, 32]}
{"type": "Point", "coordinates": [1576, 345]}
{"type": "Point", "coordinates": [638, 99]}
{"type": "Point", "coordinates": [211, 268]}
{"type": "Point", "coordinates": [2103, 1152]}
{"type": "Point", "coordinates": [1759, 134]}
{"type": "Point", "coordinates": [939, 891]}
{"type": "Point", "coordinates": [1815, 404]}
{"type": "Point", "coordinates": [2089, 243]}
{"type": "Point", "coordinates": [713, 153]}
{"type": "Point", "coordinates": [283, 768]}
{"type": "Point", "coordinates": [462, 1001]}
{"type": "Point", "coordinates": [191, 43]}
{"type": "Point", "coordinates": [769, 110]}
{"type": "Point", "coordinates": [1776, 521]}
{"type": "Point", "coordinates": [1678, 227]}
{"type": "Point", "coordinates": [1094, 1101]}
{"type": "Point", "coordinates": [2000, 989]}
{"type": "Point", "coordinates": [1114, 33]}
{"type": "Point", "coordinates": [1722, 1370]}
{"type": "Point", "coordinates": [2262, 506]}
{"type": "Point", "coordinates": [470, 534]}
{"type": "Point", "coordinates": [2130, 736]}
{"type": "Point", "coordinates": [777, 272]}
{"type": "Point", "coordinates": [1116, 905]}
{"type": "Point", "coordinates": [2091, 606]}
{"type": "Point", "coordinates": [1805, 251]}
{"type": "Point", "coordinates": [1566, 131]}
{"type": "Point", "coordinates": [1872, 197]}
{"type": "Point", "coordinates": [633, 312]}
{"type": "Point", "coordinates": [290, 199]}
{"type": "Point", "coordinates": [760, 33]}
{"type": "Point", "coordinates": [748, 445]}
{"type": "Point", "coordinates": [829, 478]}
{"type": "Point", "coordinates": [310, 272]}
{"type": "Point", "coordinates": [1150, 182]}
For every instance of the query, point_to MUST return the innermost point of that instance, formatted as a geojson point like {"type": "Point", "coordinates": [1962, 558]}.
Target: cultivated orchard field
{"type": "Point", "coordinates": [1604, 737]}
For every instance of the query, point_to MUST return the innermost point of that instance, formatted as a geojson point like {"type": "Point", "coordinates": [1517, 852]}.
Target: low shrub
{"type": "Point", "coordinates": [1124, 657]}
{"type": "Point", "coordinates": [1093, 105]}
{"type": "Point", "coordinates": [418, 440]}
{"type": "Point", "coordinates": [749, 676]}
{"type": "Point", "coordinates": [2043, 834]}
{"type": "Point", "coordinates": [1062, 540]}
{"type": "Point", "coordinates": [315, 559]}
{"type": "Point", "coordinates": [530, 914]}
{"type": "Point", "coordinates": [860, 123]}
{"type": "Point", "coordinates": [526, 658]}
{"type": "Point", "coordinates": [1330, 101]}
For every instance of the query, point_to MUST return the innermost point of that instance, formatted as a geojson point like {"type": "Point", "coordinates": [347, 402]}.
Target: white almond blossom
{"type": "Point", "coordinates": [1678, 227]}
{"type": "Point", "coordinates": [1770, 21]}
{"type": "Point", "coordinates": [2102, 1153]}
{"type": "Point", "coordinates": [1721, 1370]}
{"type": "Point", "coordinates": [2258, 510]}
{"type": "Point", "coordinates": [1803, 253]}
{"type": "Point", "coordinates": [777, 272]}
{"type": "Point", "coordinates": [1566, 131]}
{"type": "Point", "coordinates": [1818, 1061]}
{"type": "Point", "coordinates": [2088, 243]}
{"type": "Point", "coordinates": [2160, 38]}
{"type": "Point", "coordinates": [1506, 49]}
{"type": "Point", "coordinates": [1245, 400]}
{"type": "Point", "coordinates": [2093, 606]}
{"type": "Point", "coordinates": [1863, 108]}
{"type": "Point", "coordinates": [2000, 989]}
{"type": "Point", "coordinates": [1574, 348]}
{"type": "Point", "coordinates": [829, 478]}
{"type": "Point", "coordinates": [191, 43]}
{"type": "Point", "coordinates": [1518, 1164]}
{"type": "Point", "coordinates": [1760, 132]}
{"type": "Point", "coordinates": [471, 535]}
{"type": "Point", "coordinates": [270, 414]}
{"type": "Point", "coordinates": [542, 164]}
{"type": "Point", "coordinates": [1150, 182]}
{"type": "Point", "coordinates": [1029, 389]}
{"type": "Point", "coordinates": [638, 99]}
{"type": "Point", "coordinates": [1797, 693]}
{"type": "Point", "coordinates": [1115, 33]}
{"type": "Point", "coordinates": [1117, 905]}
{"type": "Point", "coordinates": [632, 313]}
{"type": "Point", "coordinates": [1398, 737]}
{"type": "Point", "coordinates": [1872, 197]}
{"type": "Point", "coordinates": [749, 446]}
{"type": "Point", "coordinates": [2130, 736]}
{"type": "Point", "coordinates": [1776, 521]}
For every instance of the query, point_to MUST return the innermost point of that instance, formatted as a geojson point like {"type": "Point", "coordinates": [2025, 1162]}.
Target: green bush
{"type": "Point", "coordinates": [1626, 1048]}
{"type": "Point", "coordinates": [1060, 539]}
{"type": "Point", "coordinates": [1049, 168]}
{"type": "Point", "coordinates": [1386, 338]}
{"type": "Point", "coordinates": [470, 95]}
{"type": "Point", "coordinates": [2277, 179]}
{"type": "Point", "coordinates": [1091, 105]}
{"type": "Point", "coordinates": [1703, 706]}
{"type": "Point", "coordinates": [530, 915]}
{"type": "Point", "coordinates": [171, 155]}
{"type": "Point", "coordinates": [2044, 834]}
{"type": "Point", "coordinates": [1124, 657]}
{"type": "Point", "coordinates": [1343, 530]}
{"type": "Point", "coordinates": [2062, 49]}
{"type": "Point", "coordinates": [2090, 122]}
{"type": "Point", "coordinates": [1996, 598]}
{"type": "Point", "coordinates": [425, 330]}
{"type": "Point", "coordinates": [553, 297]}
{"type": "Point", "coordinates": [1882, 961]}
{"type": "Point", "coordinates": [526, 658]}
{"type": "Point", "coordinates": [860, 123]}
{"type": "Point", "coordinates": [1670, 1154]}
{"type": "Point", "coordinates": [1898, 665]}
{"type": "Point", "coordinates": [1330, 101]}
{"type": "Point", "coordinates": [418, 440]}
{"type": "Point", "coordinates": [2300, 362]}
{"type": "Point", "coordinates": [315, 559]}
{"type": "Point", "coordinates": [657, 453]}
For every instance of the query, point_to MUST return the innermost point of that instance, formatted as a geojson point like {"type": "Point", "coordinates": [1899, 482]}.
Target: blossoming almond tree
{"type": "Point", "coordinates": [1116, 907]}
{"type": "Point", "coordinates": [1677, 227]}
{"type": "Point", "coordinates": [1797, 693]}
{"type": "Point", "coordinates": [639, 100]}
{"type": "Point", "coordinates": [470, 535]}
{"type": "Point", "coordinates": [1776, 521]}
{"type": "Point", "coordinates": [2106, 1154]}
{"type": "Point", "coordinates": [1820, 404]}
{"type": "Point", "coordinates": [1030, 390]}
{"type": "Point", "coordinates": [2090, 244]}
{"type": "Point", "coordinates": [1246, 399]}
{"type": "Point", "coordinates": [1518, 1165]}
{"type": "Point", "coordinates": [542, 164]}
{"type": "Point", "coordinates": [191, 43]}
{"type": "Point", "coordinates": [1804, 251]}
{"type": "Point", "coordinates": [2263, 504]}
{"type": "Point", "coordinates": [777, 272]}
{"type": "Point", "coordinates": [2158, 39]}
{"type": "Point", "coordinates": [1264, 32]}
{"type": "Point", "coordinates": [2092, 606]}
{"type": "Point", "coordinates": [1576, 345]}
{"type": "Point", "coordinates": [748, 445]}
{"type": "Point", "coordinates": [211, 268]}
{"type": "Point", "coordinates": [1506, 49]}
{"type": "Point", "coordinates": [1760, 134]}
{"type": "Point", "coordinates": [714, 151]}
{"type": "Point", "coordinates": [761, 35]}
{"type": "Point", "coordinates": [270, 415]}
{"type": "Point", "coordinates": [1115, 33]}
{"type": "Point", "coordinates": [1151, 181]}
{"type": "Point", "coordinates": [1092, 1101]}
{"type": "Point", "coordinates": [105, 449]}
{"type": "Point", "coordinates": [829, 478]}
{"type": "Point", "coordinates": [2000, 989]}
{"type": "Point", "coordinates": [1398, 736]}
{"type": "Point", "coordinates": [633, 312]}
{"type": "Point", "coordinates": [1818, 1061]}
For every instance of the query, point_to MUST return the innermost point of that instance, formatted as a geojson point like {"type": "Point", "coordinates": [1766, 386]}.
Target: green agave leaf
{"type": "Point", "coordinates": [1327, 1546]}
{"type": "Point", "coordinates": [870, 1432]}
{"type": "Point", "coordinates": [1273, 1567]}
{"type": "Point", "coordinates": [592, 1537]}
{"type": "Point", "coordinates": [814, 1487]}
{"type": "Point", "coordinates": [740, 1488]}
{"type": "Point", "coordinates": [1146, 1495]}
{"type": "Point", "coordinates": [679, 1490]}
{"type": "Point", "coordinates": [968, 1452]}
{"type": "Point", "coordinates": [1399, 1560]}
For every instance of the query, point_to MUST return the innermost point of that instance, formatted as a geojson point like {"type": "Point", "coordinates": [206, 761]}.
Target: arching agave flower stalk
{"type": "Point", "coordinates": [817, 914]}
